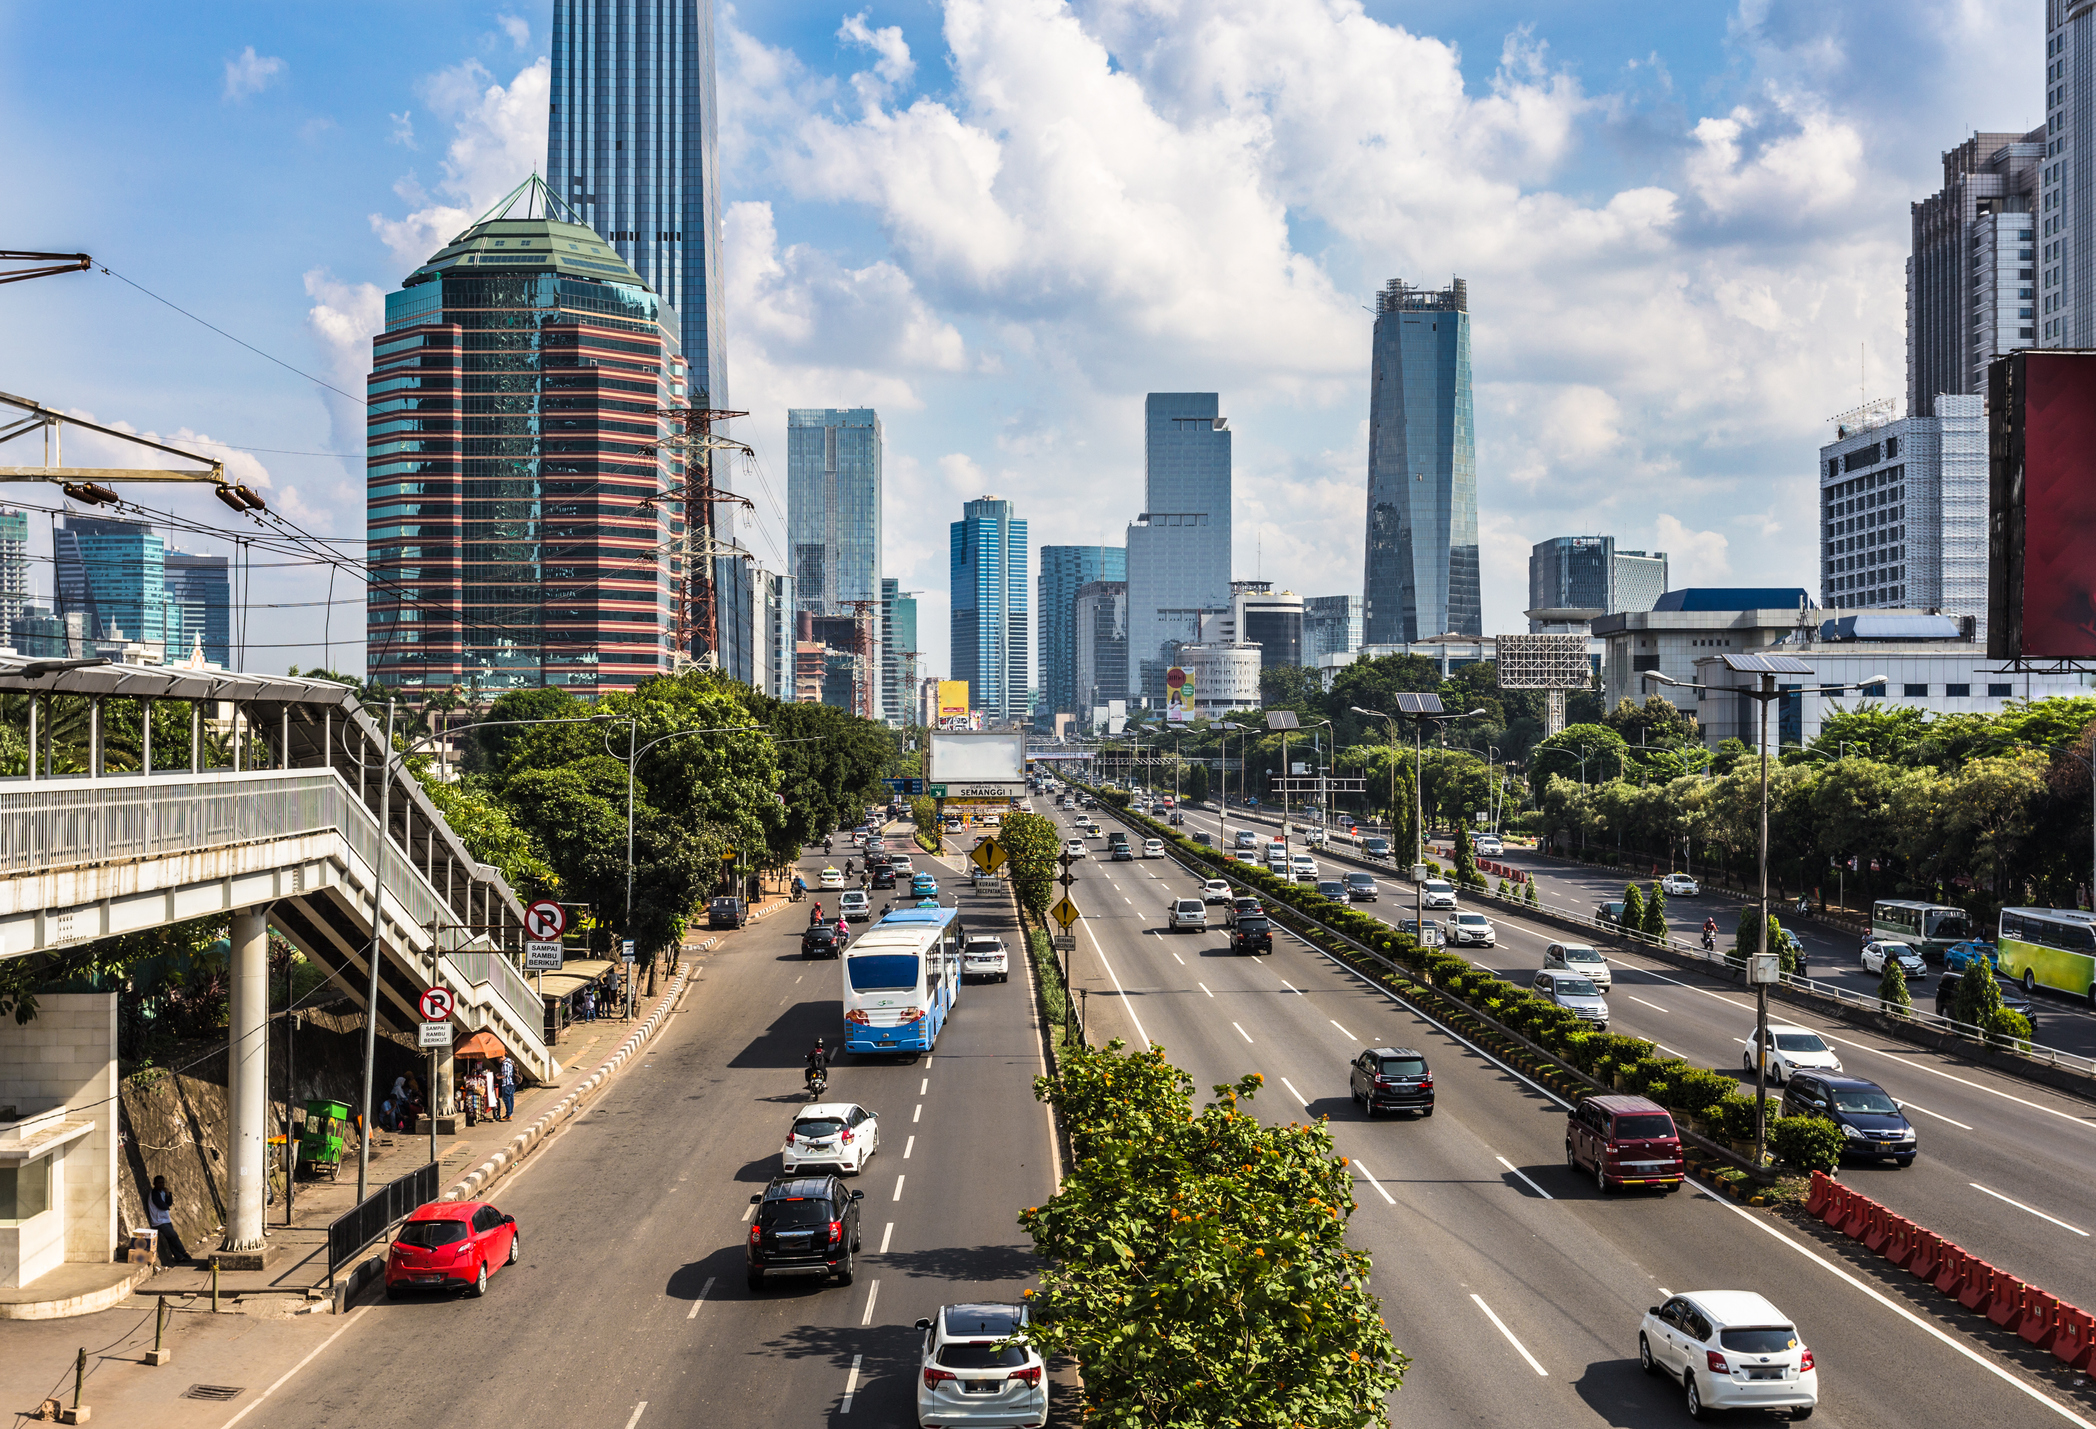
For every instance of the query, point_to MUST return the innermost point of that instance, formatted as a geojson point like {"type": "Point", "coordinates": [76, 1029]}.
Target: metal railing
{"type": "Point", "coordinates": [525, 1010]}
{"type": "Point", "coordinates": [377, 1213]}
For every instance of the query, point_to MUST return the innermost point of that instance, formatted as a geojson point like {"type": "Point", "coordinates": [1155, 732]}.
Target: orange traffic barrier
{"type": "Point", "coordinates": [2075, 1337]}
{"type": "Point", "coordinates": [2040, 1320]}
{"type": "Point", "coordinates": [1928, 1255]}
{"type": "Point", "coordinates": [2005, 1302]}
{"type": "Point", "coordinates": [1837, 1208]}
{"type": "Point", "coordinates": [1880, 1228]}
{"type": "Point", "coordinates": [1950, 1270]}
{"type": "Point", "coordinates": [1817, 1200]}
{"type": "Point", "coordinates": [1899, 1241]}
{"type": "Point", "coordinates": [1977, 1286]}
{"type": "Point", "coordinates": [1860, 1208]}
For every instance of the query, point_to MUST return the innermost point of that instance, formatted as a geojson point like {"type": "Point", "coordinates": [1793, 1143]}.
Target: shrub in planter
{"type": "Point", "coordinates": [1656, 913]}
{"type": "Point", "coordinates": [1733, 1116]}
{"type": "Point", "coordinates": [1633, 909]}
{"type": "Point", "coordinates": [2006, 1027]}
{"type": "Point", "coordinates": [1696, 1091]}
{"type": "Point", "coordinates": [1531, 888]}
{"type": "Point", "coordinates": [1809, 1143]}
{"type": "Point", "coordinates": [1659, 1089]}
{"type": "Point", "coordinates": [1625, 1050]}
{"type": "Point", "coordinates": [1892, 987]}
{"type": "Point", "coordinates": [1580, 1049]}
{"type": "Point", "coordinates": [1645, 1070]}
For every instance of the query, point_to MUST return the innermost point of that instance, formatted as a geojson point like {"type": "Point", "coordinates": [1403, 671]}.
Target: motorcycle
{"type": "Point", "coordinates": [818, 1082]}
{"type": "Point", "coordinates": [1710, 942]}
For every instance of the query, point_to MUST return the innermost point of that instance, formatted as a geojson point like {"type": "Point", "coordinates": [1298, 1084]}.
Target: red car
{"type": "Point", "coordinates": [448, 1244]}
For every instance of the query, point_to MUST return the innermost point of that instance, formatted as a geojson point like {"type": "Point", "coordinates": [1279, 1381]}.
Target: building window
{"type": "Point", "coordinates": [1644, 662]}
{"type": "Point", "coordinates": [2000, 692]}
{"type": "Point", "coordinates": [1873, 692]}
{"type": "Point", "coordinates": [1957, 692]}
{"type": "Point", "coordinates": [25, 1191]}
{"type": "Point", "coordinates": [1915, 692]}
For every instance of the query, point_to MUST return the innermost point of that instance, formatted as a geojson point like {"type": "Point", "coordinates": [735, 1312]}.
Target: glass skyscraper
{"type": "Point", "coordinates": [833, 506]}
{"type": "Point", "coordinates": [199, 607]}
{"type": "Point", "coordinates": [987, 567]}
{"type": "Point", "coordinates": [111, 575]}
{"type": "Point", "coordinates": [1063, 570]}
{"type": "Point", "coordinates": [1331, 626]}
{"type": "Point", "coordinates": [14, 566]}
{"type": "Point", "coordinates": [517, 493]}
{"type": "Point", "coordinates": [1422, 576]}
{"type": "Point", "coordinates": [898, 652]}
{"type": "Point", "coordinates": [1179, 547]}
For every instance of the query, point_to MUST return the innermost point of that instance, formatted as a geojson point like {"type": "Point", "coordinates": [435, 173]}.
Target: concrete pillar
{"type": "Point", "coordinates": [440, 1092]}
{"type": "Point", "coordinates": [248, 1059]}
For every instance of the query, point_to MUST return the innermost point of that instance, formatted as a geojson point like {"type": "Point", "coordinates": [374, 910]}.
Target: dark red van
{"type": "Point", "coordinates": [1628, 1141]}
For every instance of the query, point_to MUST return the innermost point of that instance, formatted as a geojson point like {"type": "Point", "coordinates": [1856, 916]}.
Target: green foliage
{"type": "Point", "coordinates": [1809, 1143]}
{"type": "Point", "coordinates": [1732, 1117]}
{"type": "Point", "coordinates": [1633, 909]}
{"type": "Point", "coordinates": [2008, 1027]}
{"type": "Point", "coordinates": [1892, 986]}
{"type": "Point", "coordinates": [1196, 1264]}
{"type": "Point", "coordinates": [1697, 1091]}
{"type": "Point", "coordinates": [1746, 940]}
{"type": "Point", "coordinates": [489, 830]}
{"type": "Point", "coordinates": [1600, 747]}
{"type": "Point", "coordinates": [1728, 755]}
{"type": "Point", "coordinates": [924, 813]}
{"type": "Point", "coordinates": [1979, 996]}
{"type": "Point", "coordinates": [1465, 855]}
{"type": "Point", "coordinates": [1532, 888]}
{"type": "Point", "coordinates": [1193, 783]}
{"type": "Point", "coordinates": [1655, 924]}
{"type": "Point", "coordinates": [1030, 841]}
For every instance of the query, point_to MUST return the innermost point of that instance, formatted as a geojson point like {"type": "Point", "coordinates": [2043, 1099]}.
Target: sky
{"type": "Point", "coordinates": [1683, 229]}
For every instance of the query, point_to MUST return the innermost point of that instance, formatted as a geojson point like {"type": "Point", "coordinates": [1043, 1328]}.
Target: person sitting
{"type": "Point", "coordinates": [800, 888]}
{"type": "Point", "coordinates": [815, 914]}
{"type": "Point", "coordinates": [819, 1057]}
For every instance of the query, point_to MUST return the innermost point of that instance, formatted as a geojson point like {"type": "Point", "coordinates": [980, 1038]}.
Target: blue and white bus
{"type": "Point", "coordinates": [901, 981]}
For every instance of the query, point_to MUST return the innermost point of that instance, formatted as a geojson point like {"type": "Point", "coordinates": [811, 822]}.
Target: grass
{"type": "Point", "coordinates": [1055, 997]}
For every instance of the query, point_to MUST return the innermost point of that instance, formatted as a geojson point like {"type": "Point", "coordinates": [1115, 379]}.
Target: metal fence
{"type": "Point", "coordinates": [379, 1212]}
{"type": "Point", "coordinates": [495, 969]}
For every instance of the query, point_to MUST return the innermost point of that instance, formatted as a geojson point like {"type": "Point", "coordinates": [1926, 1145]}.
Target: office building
{"type": "Point", "coordinates": [112, 576]}
{"type": "Point", "coordinates": [833, 506]}
{"type": "Point", "coordinates": [1421, 577]}
{"type": "Point", "coordinates": [199, 607]}
{"type": "Point", "coordinates": [1903, 511]}
{"type": "Point", "coordinates": [1064, 569]}
{"type": "Point", "coordinates": [1971, 276]}
{"type": "Point", "coordinates": [2066, 227]}
{"type": "Point", "coordinates": [1257, 615]}
{"type": "Point", "coordinates": [1640, 579]}
{"type": "Point", "coordinates": [1574, 579]}
{"type": "Point", "coordinates": [898, 652]}
{"type": "Point", "coordinates": [1685, 626]}
{"type": "Point", "coordinates": [14, 565]}
{"type": "Point", "coordinates": [499, 559]}
{"type": "Point", "coordinates": [1099, 646]}
{"type": "Point", "coordinates": [1332, 625]}
{"type": "Point", "coordinates": [1179, 547]}
{"type": "Point", "coordinates": [987, 567]}
{"type": "Point", "coordinates": [775, 592]}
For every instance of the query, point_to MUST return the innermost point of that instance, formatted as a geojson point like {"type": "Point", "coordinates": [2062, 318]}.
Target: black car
{"type": "Point", "coordinates": [1360, 888]}
{"type": "Point", "coordinates": [1610, 913]}
{"type": "Point", "coordinates": [726, 913]}
{"type": "Point", "coordinates": [819, 940]}
{"type": "Point", "coordinates": [1122, 853]}
{"type": "Point", "coordinates": [1872, 1125]}
{"type": "Point", "coordinates": [804, 1225]}
{"type": "Point", "coordinates": [882, 877]}
{"type": "Point", "coordinates": [1376, 848]}
{"type": "Point", "coordinates": [1331, 888]}
{"type": "Point", "coordinates": [2013, 997]}
{"type": "Point", "coordinates": [1392, 1077]}
{"type": "Point", "coordinates": [1252, 935]}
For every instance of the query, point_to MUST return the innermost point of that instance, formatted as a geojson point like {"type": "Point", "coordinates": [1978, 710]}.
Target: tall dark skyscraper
{"type": "Point", "coordinates": [1421, 577]}
{"type": "Point", "coordinates": [987, 617]}
{"type": "Point", "coordinates": [1063, 570]}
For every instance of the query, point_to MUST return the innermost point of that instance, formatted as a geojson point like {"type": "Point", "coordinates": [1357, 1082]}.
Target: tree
{"type": "Point", "coordinates": [1030, 842]}
{"type": "Point", "coordinates": [1465, 856]}
{"type": "Point", "coordinates": [1658, 721]}
{"type": "Point", "coordinates": [1194, 782]}
{"type": "Point", "coordinates": [1633, 909]}
{"type": "Point", "coordinates": [1747, 940]}
{"type": "Point", "coordinates": [1599, 747]}
{"type": "Point", "coordinates": [1656, 912]}
{"type": "Point", "coordinates": [1295, 687]}
{"type": "Point", "coordinates": [1892, 985]}
{"type": "Point", "coordinates": [1979, 996]}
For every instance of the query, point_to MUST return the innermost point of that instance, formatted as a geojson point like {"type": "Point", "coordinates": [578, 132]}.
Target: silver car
{"type": "Point", "coordinates": [1582, 958]}
{"type": "Point", "coordinates": [976, 1367]}
{"type": "Point", "coordinates": [1575, 992]}
{"type": "Point", "coordinates": [1473, 928]}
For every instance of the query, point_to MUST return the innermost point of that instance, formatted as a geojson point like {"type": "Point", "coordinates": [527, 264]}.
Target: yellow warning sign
{"type": "Point", "coordinates": [989, 856]}
{"type": "Point", "coordinates": [1064, 913]}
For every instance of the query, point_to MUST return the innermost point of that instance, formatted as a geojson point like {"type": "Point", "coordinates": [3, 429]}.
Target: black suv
{"type": "Point", "coordinates": [819, 941]}
{"type": "Point", "coordinates": [1393, 1077]}
{"type": "Point", "coordinates": [726, 913]}
{"type": "Point", "coordinates": [804, 1225]}
{"type": "Point", "coordinates": [883, 876]}
{"type": "Point", "coordinates": [1873, 1127]}
{"type": "Point", "coordinates": [1252, 934]}
{"type": "Point", "coordinates": [2013, 997]}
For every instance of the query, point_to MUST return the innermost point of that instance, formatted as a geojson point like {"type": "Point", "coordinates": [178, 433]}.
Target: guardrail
{"type": "Point", "coordinates": [526, 1010]}
{"type": "Point", "coordinates": [372, 1217]}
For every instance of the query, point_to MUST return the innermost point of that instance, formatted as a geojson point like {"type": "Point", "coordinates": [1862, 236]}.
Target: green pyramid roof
{"type": "Point", "coordinates": [530, 230]}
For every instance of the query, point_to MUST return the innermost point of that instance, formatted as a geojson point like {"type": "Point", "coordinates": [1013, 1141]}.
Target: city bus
{"type": "Point", "coordinates": [901, 981]}
{"type": "Point", "coordinates": [2050, 947]}
{"type": "Point", "coordinates": [1924, 927]}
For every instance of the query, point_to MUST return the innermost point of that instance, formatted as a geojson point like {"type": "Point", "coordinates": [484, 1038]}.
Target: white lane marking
{"type": "Point", "coordinates": [851, 1386]}
{"type": "Point", "coordinates": [2032, 1209]}
{"type": "Point", "coordinates": [1961, 1081]}
{"type": "Point", "coordinates": [908, 1147]}
{"type": "Point", "coordinates": [1296, 1094]}
{"type": "Point", "coordinates": [1533, 1363]}
{"type": "Point", "coordinates": [884, 1238]}
{"type": "Point", "coordinates": [704, 1291]}
{"type": "Point", "coordinates": [1242, 1033]}
{"type": "Point", "coordinates": [1100, 953]}
{"type": "Point", "coordinates": [898, 1190]}
{"type": "Point", "coordinates": [1767, 1228]}
{"type": "Point", "coordinates": [1917, 1106]}
{"type": "Point", "coordinates": [354, 1315]}
{"type": "Point", "coordinates": [1179, 960]}
{"type": "Point", "coordinates": [638, 1410]}
{"type": "Point", "coordinates": [1642, 1003]}
{"type": "Point", "coordinates": [1531, 1185]}
{"type": "Point", "coordinates": [1126, 899]}
{"type": "Point", "coordinates": [1204, 987]}
{"type": "Point", "coordinates": [749, 1210]}
{"type": "Point", "coordinates": [1369, 1176]}
{"type": "Point", "coordinates": [797, 980]}
{"type": "Point", "coordinates": [873, 1293]}
{"type": "Point", "coordinates": [1291, 987]}
{"type": "Point", "coordinates": [1343, 1032]}
{"type": "Point", "coordinates": [924, 1086]}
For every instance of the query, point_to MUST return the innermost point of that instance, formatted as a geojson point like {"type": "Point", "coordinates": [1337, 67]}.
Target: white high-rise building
{"type": "Point", "coordinates": [1903, 511]}
{"type": "Point", "coordinates": [2066, 216]}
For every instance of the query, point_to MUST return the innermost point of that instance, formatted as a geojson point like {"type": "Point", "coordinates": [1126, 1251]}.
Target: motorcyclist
{"type": "Point", "coordinates": [843, 932]}
{"type": "Point", "coordinates": [818, 1059]}
{"type": "Point", "coordinates": [1710, 933]}
{"type": "Point", "coordinates": [815, 915]}
{"type": "Point", "coordinates": [800, 888]}
{"type": "Point", "coordinates": [826, 847]}
{"type": "Point", "coordinates": [850, 868]}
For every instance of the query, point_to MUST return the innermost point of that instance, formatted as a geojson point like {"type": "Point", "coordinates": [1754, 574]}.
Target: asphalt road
{"type": "Point", "coordinates": [1472, 1215]}
{"type": "Point", "coordinates": [629, 1306]}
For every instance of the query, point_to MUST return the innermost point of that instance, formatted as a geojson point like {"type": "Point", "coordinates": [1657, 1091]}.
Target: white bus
{"type": "Point", "coordinates": [901, 980]}
{"type": "Point", "coordinates": [2050, 947]}
{"type": "Point", "coordinates": [1924, 927]}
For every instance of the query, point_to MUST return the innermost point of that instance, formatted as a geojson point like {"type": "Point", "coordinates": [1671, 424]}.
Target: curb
{"type": "Point", "coordinates": [87, 1303]}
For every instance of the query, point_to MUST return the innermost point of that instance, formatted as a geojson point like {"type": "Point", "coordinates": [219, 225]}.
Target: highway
{"type": "Point", "coordinates": [1472, 1211]}
{"type": "Point", "coordinates": [631, 1292]}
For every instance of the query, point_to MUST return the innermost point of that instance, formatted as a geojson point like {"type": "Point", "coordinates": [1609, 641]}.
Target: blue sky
{"type": "Point", "coordinates": [1683, 228]}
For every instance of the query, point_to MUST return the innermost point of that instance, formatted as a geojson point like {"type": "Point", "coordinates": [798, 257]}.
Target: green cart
{"type": "Point", "coordinates": [320, 1138]}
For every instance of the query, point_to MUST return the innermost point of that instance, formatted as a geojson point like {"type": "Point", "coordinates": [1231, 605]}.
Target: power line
{"type": "Point", "coordinates": [230, 338]}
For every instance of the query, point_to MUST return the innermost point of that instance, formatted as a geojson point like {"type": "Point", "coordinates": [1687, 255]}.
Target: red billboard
{"type": "Point", "coordinates": [2041, 514]}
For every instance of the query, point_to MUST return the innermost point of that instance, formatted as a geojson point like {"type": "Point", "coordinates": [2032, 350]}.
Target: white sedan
{"type": "Point", "coordinates": [1793, 1049]}
{"type": "Point", "coordinates": [832, 878]}
{"type": "Point", "coordinates": [984, 956]}
{"type": "Point", "coordinates": [1153, 848]}
{"type": "Point", "coordinates": [1680, 885]}
{"type": "Point", "coordinates": [1729, 1349]}
{"type": "Point", "coordinates": [1215, 891]}
{"type": "Point", "coordinates": [840, 1134]}
{"type": "Point", "coordinates": [1910, 963]}
{"type": "Point", "coordinates": [1075, 848]}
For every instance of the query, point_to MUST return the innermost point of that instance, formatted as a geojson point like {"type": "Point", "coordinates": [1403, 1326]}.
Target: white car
{"type": "Point", "coordinates": [1680, 885]}
{"type": "Point", "coordinates": [1875, 953]}
{"type": "Point", "coordinates": [967, 1374]}
{"type": "Point", "coordinates": [1581, 958]}
{"type": "Point", "coordinates": [1215, 891]}
{"type": "Point", "coordinates": [984, 956]}
{"type": "Point", "coordinates": [1188, 913]}
{"type": "Point", "coordinates": [1792, 1049]}
{"type": "Point", "coordinates": [840, 1134]}
{"type": "Point", "coordinates": [1438, 893]}
{"type": "Point", "coordinates": [831, 878]}
{"type": "Point", "coordinates": [1474, 928]}
{"type": "Point", "coordinates": [1153, 848]}
{"type": "Point", "coordinates": [1729, 1349]}
{"type": "Point", "coordinates": [854, 906]}
{"type": "Point", "coordinates": [1303, 868]}
{"type": "Point", "coordinates": [1075, 848]}
{"type": "Point", "coordinates": [1489, 846]}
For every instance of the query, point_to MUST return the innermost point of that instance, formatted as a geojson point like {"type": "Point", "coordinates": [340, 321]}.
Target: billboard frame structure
{"type": "Point", "coordinates": [1554, 664]}
{"type": "Point", "coordinates": [2040, 424]}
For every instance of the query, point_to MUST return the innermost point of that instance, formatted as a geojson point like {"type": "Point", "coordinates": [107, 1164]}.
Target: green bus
{"type": "Point", "coordinates": [2050, 947]}
{"type": "Point", "coordinates": [1924, 927]}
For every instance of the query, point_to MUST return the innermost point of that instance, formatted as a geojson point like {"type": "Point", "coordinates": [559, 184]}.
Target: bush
{"type": "Point", "coordinates": [1697, 1091]}
{"type": "Point", "coordinates": [1979, 996]}
{"type": "Point", "coordinates": [1747, 939]}
{"type": "Point", "coordinates": [1809, 1143]}
{"type": "Point", "coordinates": [1733, 1116]}
{"type": "Point", "coordinates": [2007, 1027]}
{"type": "Point", "coordinates": [1633, 909]}
{"type": "Point", "coordinates": [1655, 923]}
{"type": "Point", "coordinates": [1531, 888]}
{"type": "Point", "coordinates": [1892, 986]}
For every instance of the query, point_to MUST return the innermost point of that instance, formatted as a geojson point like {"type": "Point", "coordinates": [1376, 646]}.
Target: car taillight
{"type": "Point", "coordinates": [1805, 1363]}
{"type": "Point", "coordinates": [1426, 1084]}
{"type": "Point", "coordinates": [933, 1377]}
{"type": "Point", "coordinates": [847, 1136]}
{"type": "Point", "coordinates": [756, 1234]}
{"type": "Point", "coordinates": [1029, 1375]}
{"type": "Point", "coordinates": [1717, 1362]}
{"type": "Point", "coordinates": [836, 1231]}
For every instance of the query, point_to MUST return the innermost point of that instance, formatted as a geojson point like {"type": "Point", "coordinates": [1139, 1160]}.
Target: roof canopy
{"type": "Point", "coordinates": [530, 230]}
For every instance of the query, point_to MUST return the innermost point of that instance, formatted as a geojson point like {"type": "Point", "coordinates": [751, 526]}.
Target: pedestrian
{"type": "Point", "coordinates": [509, 1087]}
{"type": "Point", "coordinates": [160, 1207]}
{"type": "Point", "coordinates": [589, 1006]}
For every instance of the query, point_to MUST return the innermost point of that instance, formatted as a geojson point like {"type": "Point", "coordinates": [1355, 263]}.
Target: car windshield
{"type": "Point", "coordinates": [815, 1128]}
{"type": "Point", "coordinates": [1799, 1042]}
{"type": "Point", "coordinates": [1759, 1339]}
{"type": "Point", "coordinates": [1253, 925]}
{"type": "Point", "coordinates": [428, 1235]}
{"type": "Point", "coordinates": [1582, 955]}
{"type": "Point", "coordinates": [1864, 1099]}
{"type": "Point", "coordinates": [982, 1356]}
{"type": "Point", "coordinates": [882, 972]}
{"type": "Point", "coordinates": [1577, 987]}
{"type": "Point", "coordinates": [1469, 918]}
{"type": "Point", "coordinates": [1435, 885]}
{"type": "Point", "coordinates": [1404, 1066]}
{"type": "Point", "coordinates": [1644, 1126]}
{"type": "Point", "coordinates": [800, 1211]}
{"type": "Point", "coordinates": [984, 945]}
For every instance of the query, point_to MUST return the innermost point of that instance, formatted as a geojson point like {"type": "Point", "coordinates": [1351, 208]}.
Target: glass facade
{"type": "Point", "coordinates": [1573, 573]}
{"type": "Point", "coordinates": [833, 506]}
{"type": "Point", "coordinates": [1422, 573]}
{"type": "Point", "coordinates": [14, 565]}
{"type": "Point", "coordinates": [1331, 626]}
{"type": "Point", "coordinates": [517, 499]}
{"type": "Point", "coordinates": [988, 571]}
{"type": "Point", "coordinates": [1063, 570]}
{"type": "Point", "coordinates": [1178, 550]}
{"type": "Point", "coordinates": [111, 575]}
{"type": "Point", "coordinates": [199, 607]}
{"type": "Point", "coordinates": [898, 652]}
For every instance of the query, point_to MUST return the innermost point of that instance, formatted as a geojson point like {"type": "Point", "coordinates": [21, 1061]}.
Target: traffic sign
{"type": "Point", "coordinates": [626, 951]}
{"type": "Point", "coordinates": [436, 1004]}
{"type": "Point", "coordinates": [1065, 913]}
{"type": "Point", "coordinates": [545, 919]}
{"type": "Point", "coordinates": [434, 1034]}
{"type": "Point", "coordinates": [543, 957]}
{"type": "Point", "coordinates": [937, 791]}
{"type": "Point", "coordinates": [989, 856]}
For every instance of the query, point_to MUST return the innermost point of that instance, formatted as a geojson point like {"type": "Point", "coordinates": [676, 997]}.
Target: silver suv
{"type": "Point", "coordinates": [1438, 893]}
{"type": "Point", "coordinates": [1188, 913]}
{"type": "Point", "coordinates": [1575, 992]}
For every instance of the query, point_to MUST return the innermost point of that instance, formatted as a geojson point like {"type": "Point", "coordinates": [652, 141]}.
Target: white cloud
{"type": "Point", "coordinates": [248, 73]}
{"type": "Point", "coordinates": [894, 63]}
{"type": "Point", "coordinates": [498, 140]}
{"type": "Point", "coordinates": [518, 30]}
{"type": "Point", "coordinates": [344, 318]}
{"type": "Point", "coordinates": [403, 128]}
{"type": "Point", "coordinates": [1693, 557]}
